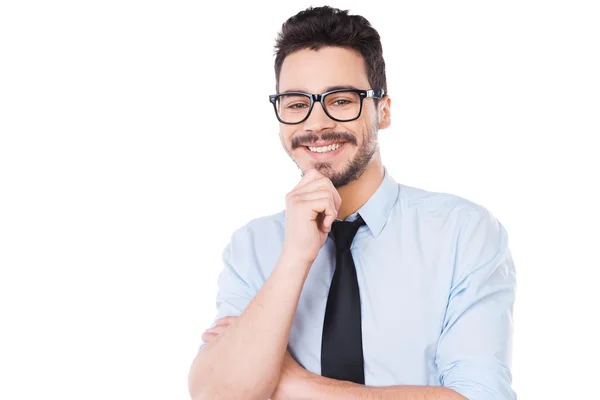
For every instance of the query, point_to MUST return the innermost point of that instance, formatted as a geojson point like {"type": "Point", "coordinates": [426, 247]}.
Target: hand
{"type": "Point", "coordinates": [220, 326]}
{"type": "Point", "coordinates": [311, 207]}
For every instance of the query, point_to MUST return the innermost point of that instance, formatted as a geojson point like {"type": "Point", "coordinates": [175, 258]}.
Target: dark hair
{"type": "Point", "coordinates": [319, 27]}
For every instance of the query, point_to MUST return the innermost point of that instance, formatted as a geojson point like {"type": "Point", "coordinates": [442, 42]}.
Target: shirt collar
{"type": "Point", "coordinates": [376, 210]}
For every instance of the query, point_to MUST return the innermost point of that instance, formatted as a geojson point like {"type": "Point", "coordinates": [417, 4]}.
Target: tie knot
{"type": "Point", "coordinates": [343, 232]}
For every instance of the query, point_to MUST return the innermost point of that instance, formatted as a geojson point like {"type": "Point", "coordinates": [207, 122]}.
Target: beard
{"type": "Point", "coordinates": [357, 165]}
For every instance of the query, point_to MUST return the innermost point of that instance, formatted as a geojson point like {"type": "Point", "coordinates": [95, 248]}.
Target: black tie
{"type": "Point", "coordinates": [341, 348]}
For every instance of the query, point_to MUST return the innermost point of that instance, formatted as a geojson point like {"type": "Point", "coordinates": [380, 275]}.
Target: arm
{"type": "Point", "coordinates": [245, 361]}
{"type": "Point", "coordinates": [331, 389]}
{"type": "Point", "coordinates": [299, 384]}
{"type": "Point", "coordinates": [296, 383]}
{"type": "Point", "coordinates": [475, 346]}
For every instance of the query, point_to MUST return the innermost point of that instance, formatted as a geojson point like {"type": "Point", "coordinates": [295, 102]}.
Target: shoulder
{"type": "Point", "coordinates": [476, 238]}
{"type": "Point", "coordinates": [436, 203]}
{"type": "Point", "coordinates": [254, 248]}
{"type": "Point", "coordinates": [472, 224]}
{"type": "Point", "coordinates": [258, 239]}
{"type": "Point", "coordinates": [259, 227]}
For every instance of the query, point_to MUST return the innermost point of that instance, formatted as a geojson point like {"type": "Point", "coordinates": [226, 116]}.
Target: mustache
{"type": "Point", "coordinates": [306, 140]}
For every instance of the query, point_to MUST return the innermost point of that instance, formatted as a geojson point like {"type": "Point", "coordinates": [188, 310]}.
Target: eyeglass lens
{"type": "Point", "coordinates": [293, 108]}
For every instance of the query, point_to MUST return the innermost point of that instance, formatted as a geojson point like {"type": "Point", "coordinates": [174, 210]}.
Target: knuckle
{"type": "Point", "coordinates": [289, 198]}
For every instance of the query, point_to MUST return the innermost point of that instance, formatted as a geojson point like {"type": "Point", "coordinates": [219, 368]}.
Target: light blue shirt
{"type": "Point", "coordinates": [437, 288]}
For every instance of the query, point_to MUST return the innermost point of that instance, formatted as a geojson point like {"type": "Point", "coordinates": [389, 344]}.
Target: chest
{"type": "Point", "coordinates": [403, 292]}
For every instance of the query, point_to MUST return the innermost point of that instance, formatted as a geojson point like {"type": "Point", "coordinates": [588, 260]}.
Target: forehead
{"type": "Point", "coordinates": [314, 71]}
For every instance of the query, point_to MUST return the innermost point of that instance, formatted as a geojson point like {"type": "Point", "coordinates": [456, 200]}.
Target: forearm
{"type": "Point", "coordinates": [331, 389]}
{"type": "Point", "coordinates": [245, 361]}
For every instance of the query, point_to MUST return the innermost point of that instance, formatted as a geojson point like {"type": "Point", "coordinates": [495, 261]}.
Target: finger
{"type": "Point", "coordinates": [309, 176]}
{"type": "Point", "coordinates": [330, 215]}
{"type": "Point", "coordinates": [209, 336]}
{"type": "Point", "coordinates": [218, 329]}
{"type": "Point", "coordinates": [322, 183]}
{"type": "Point", "coordinates": [328, 222]}
{"type": "Point", "coordinates": [225, 321]}
{"type": "Point", "coordinates": [325, 212]}
{"type": "Point", "coordinates": [317, 184]}
{"type": "Point", "coordinates": [325, 207]}
{"type": "Point", "coordinates": [320, 194]}
{"type": "Point", "coordinates": [337, 199]}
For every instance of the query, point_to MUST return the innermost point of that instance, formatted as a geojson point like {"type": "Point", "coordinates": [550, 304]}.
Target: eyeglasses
{"type": "Point", "coordinates": [342, 105]}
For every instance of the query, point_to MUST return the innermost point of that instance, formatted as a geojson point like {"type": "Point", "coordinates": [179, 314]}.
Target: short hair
{"type": "Point", "coordinates": [325, 26]}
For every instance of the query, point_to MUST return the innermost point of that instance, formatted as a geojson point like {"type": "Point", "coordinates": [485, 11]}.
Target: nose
{"type": "Point", "coordinates": [318, 121]}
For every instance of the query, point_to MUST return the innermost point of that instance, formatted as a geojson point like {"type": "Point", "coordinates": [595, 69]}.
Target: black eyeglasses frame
{"type": "Point", "coordinates": [363, 94]}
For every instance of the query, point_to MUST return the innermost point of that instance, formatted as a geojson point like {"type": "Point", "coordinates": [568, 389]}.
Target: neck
{"type": "Point", "coordinates": [355, 194]}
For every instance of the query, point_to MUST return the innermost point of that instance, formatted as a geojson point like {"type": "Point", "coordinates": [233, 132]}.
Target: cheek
{"type": "Point", "coordinates": [369, 118]}
{"type": "Point", "coordinates": [285, 136]}
{"type": "Point", "coordinates": [358, 129]}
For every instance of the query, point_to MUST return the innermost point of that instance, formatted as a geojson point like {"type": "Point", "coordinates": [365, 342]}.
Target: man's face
{"type": "Point", "coordinates": [315, 72]}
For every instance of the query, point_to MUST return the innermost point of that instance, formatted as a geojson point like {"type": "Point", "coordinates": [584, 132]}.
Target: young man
{"type": "Point", "coordinates": [362, 288]}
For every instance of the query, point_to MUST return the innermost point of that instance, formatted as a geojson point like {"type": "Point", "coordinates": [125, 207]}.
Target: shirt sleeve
{"type": "Point", "coordinates": [475, 346]}
{"type": "Point", "coordinates": [234, 292]}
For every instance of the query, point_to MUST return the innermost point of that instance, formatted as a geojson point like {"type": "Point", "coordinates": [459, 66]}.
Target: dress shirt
{"type": "Point", "coordinates": [437, 288]}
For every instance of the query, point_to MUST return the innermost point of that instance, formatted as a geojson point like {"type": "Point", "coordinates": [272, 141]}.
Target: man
{"type": "Point", "coordinates": [362, 288]}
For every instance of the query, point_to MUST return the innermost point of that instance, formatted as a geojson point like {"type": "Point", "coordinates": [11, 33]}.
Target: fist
{"type": "Point", "coordinates": [310, 209]}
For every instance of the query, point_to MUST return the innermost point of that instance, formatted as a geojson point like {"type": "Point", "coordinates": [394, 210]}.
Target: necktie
{"type": "Point", "coordinates": [341, 348]}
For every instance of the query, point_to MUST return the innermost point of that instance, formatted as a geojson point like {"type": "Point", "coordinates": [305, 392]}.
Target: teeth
{"type": "Point", "coordinates": [325, 149]}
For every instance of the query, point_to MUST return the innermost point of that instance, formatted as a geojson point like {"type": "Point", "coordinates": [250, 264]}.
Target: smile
{"type": "Point", "coordinates": [325, 153]}
{"type": "Point", "coordinates": [325, 149]}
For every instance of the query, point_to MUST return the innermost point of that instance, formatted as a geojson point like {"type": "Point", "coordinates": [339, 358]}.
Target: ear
{"type": "Point", "coordinates": [385, 115]}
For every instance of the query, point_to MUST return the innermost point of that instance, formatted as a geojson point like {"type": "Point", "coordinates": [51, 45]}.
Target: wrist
{"type": "Point", "coordinates": [319, 387]}
{"type": "Point", "coordinates": [297, 260]}
{"type": "Point", "coordinates": [310, 387]}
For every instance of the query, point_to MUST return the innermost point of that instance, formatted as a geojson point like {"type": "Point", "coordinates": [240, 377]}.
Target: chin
{"type": "Point", "coordinates": [328, 170]}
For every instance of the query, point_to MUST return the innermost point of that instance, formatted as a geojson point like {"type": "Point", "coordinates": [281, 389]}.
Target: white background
{"type": "Point", "coordinates": [135, 136]}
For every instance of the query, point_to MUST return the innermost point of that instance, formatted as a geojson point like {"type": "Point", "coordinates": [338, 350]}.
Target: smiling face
{"type": "Point", "coordinates": [342, 151]}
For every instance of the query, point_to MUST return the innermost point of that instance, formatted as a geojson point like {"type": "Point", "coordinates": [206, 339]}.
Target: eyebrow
{"type": "Point", "coordinates": [327, 89]}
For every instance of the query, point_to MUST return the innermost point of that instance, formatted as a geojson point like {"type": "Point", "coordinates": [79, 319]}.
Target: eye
{"type": "Point", "coordinates": [296, 106]}
{"type": "Point", "coordinates": [342, 99]}
{"type": "Point", "coordinates": [341, 102]}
